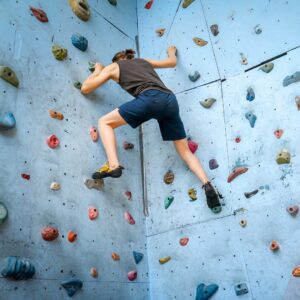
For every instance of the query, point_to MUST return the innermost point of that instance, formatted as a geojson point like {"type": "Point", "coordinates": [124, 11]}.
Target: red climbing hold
{"type": "Point", "coordinates": [236, 172]}
{"type": "Point", "coordinates": [132, 275]}
{"type": "Point", "coordinates": [274, 246]}
{"type": "Point", "coordinates": [128, 217]}
{"type": "Point", "coordinates": [192, 145]}
{"type": "Point", "coordinates": [72, 236]}
{"type": "Point", "coordinates": [278, 133]}
{"type": "Point", "coordinates": [93, 213]}
{"type": "Point", "coordinates": [39, 14]}
{"type": "Point", "coordinates": [52, 141]}
{"type": "Point", "coordinates": [25, 176]}
{"type": "Point", "coordinates": [238, 139]}
{"type": "Point", "coordinates": [49, 233]}
{"type": "Point", "coordinates": [94, 134]}
{"type": "Point", "coordinates": [149, 4]}
{"type": "Point", "coordinates": [184, 241]}
{"type": "Point", "coordinates": [128, 195]}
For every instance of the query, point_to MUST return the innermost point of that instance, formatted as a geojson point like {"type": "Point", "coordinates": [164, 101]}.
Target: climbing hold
{"type": "Point", "coordinates": [200, 42]}
{"type": "Point", "coordinates": [267, 68]}
{"type": "Point", "coordinates": [18, 268]}
{"type": "Point", "coordinates": [160, 31]}
{"type": "Point", "coordinates": [128, 217]}
{"type": "Point", "coordinates": [194, 77]}
{"type": "Point", "coordinates": [213, 164]}
{"type": "Point", "coordinates": [204, 292]}
{"type": "Point", "coordinates": [25, 176]}
{"type": "Point", "coordinates": [56, 115]}
{"type": "Point", "coordinates": [72, 286]}
{"type": "Point", "coordinates": [79, 41]}
{"type": "Point", "coordinates": [94, 272]}
{"type": "Point", "coordinates": [94, 183]}
{"type": "Point", "coordinates": [278, 133]}
{"type": "Point", "coordinates": [186, 3]}
{"type": "Point", "coordinates": [251, 117]}
{"type": "Point", "coordinates": [297, 100]}
{"type": "Point", "coordinates": [238, 139]}
{"type": "Point", "coordinates": [241, 289]}
{"type": "Point", "coordinates": [243, 223]}
{"type": "Point", "coordinates": [169, 177]}
{"type": "Point", "coordinates": [72, 236]}
{"type": "Point", "coordinates": [137, 256]}
{"type": "Point", "coordinates": [49, 233]}
{"type": "Point", "coordinates": [192, 194]}
{"type": "Point", "coordinates": [39, 14]}
{"type": "Point", "coordinates": [257, 29]}
{"type": "Point", "coordinates": [7, 74]}
{"type": "Point", "coordinates": [236, 172]}
{"type": "Point", "coordinates": [250, 194]}
{"type": "Point", "coordinates": [168, 201]}
{"type": "Point", "coordinates": [128, 195]}
{"type": "Point", "coordinates": [93, 213]}
{"type": "Point", "coordinates": [214, 29]}
{"type": "Point", "coordinates": [3, 213]}
{"type": "Point", "coordinates": [59, 52]}
{"type": "Point", "coordinates": [80, 9]}
{"type": "Point", "coordinates": [92, 66]}
{"type": "Point", "coordinates": [77, 84]}
{"type": "Point", "coordinates": [291, 79]}
{"type": "Point", "coordinates": [292, 210]}
{"type": "Point", "coordinates": [283, 157]}
{"type": "Point", "coordinates": [132, 275]}
{"type": "Point", "coordinates": [115, 256]}
{"type": "Point", "coordinates": [94, 134]}
{"type": "Point", "coordinates": [164, 260]}
{"type": "Point", "coordinates": [274, 246]}
{"type": "Point", "coordinates": [113, 2]}
{"type": "Point", "coordinates": [53, 141]}
{"type": "Point", "coordinates": [7, 121]}
{"type": "Point", "coordinates": [296, 272]}
{"type": "Point", "coordinates": [149, 4]}
{"type": "Point", "coordinates": [193, 146]}
{"type": "Point", "coordinates": [55, 186]}
{"type": "Point", "coordinates": [244, 60]}
{"type": "Point", "coordinates": [250, 94]}
{"type": "Point", "coordinates": [127, 145]}
{"type": "Point", "coordinates": [184, 241]}
{"type": "Point", "coordinates": [207, 103]}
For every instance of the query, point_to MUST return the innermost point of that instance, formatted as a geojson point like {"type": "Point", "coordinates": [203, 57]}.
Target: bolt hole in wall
{"type": "Point", "coordinates": [244, 131]}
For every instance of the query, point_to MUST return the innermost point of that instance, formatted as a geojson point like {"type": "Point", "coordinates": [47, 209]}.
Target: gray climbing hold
{"type": "Point", "coordinates": [241, 289]}
{"type": "Point", "coordinates": [257, 29]}
{"type": "Point", "coordinates": [3, 213]}
{"type": "Point", "coordinates": [18, 268]}
{"type": "Point", "coordinates": [137, 256]}
{"type": "Point", "coordinates": [72, 286]}
{"type": "Point", "coordinates": [207, 103]}
{"type": "Point", "coordinates": [250, 194]}
{"type": "Point", "coordinates": [214, 29]}
{"type": "Point", "coordinates": [267, 68]}
{"type": "Point", "coordinates": [213, 164]}
{"type": "Point", "coordinates": [283, 157]}
{"type": "Point", "coordinates": [7, 74]}
{"type": "Point", "coordinates": [112, 2]}
{"type": "Point", "coordinates": [251, 117]}
{"type": "Point", "coordinates": [97, 184]}
{"type": "Point", "coordinates": [7, 121]}
{"type": "Point", "coordinates": [291, 79]}
{"type": "Point", "coordinates": [194, 77]}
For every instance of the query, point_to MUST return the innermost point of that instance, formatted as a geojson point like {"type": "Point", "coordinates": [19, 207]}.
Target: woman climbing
{"type": "Point", "coordinates": [153, 100]}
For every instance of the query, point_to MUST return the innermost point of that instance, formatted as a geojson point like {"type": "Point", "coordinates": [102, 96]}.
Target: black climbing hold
{"type": "Point", "coordinates": [214, 29]}
{"type": "Point", "coordinates": [137, 256]}
{"type": "Point", "coordinates": [18, 268]}
{"type": "Point", "coordinates": [112, 2]}
{"type": "Point", "coordinates": [250, 194]}
{"type": "Point", "coordinates": [79, 41]}
{"type": "Point", "coordinates": [77, 84]}
{"type": "Point", "coordinates": [72, 286]}
{"type": "Point", "coordinates": [194, 77]}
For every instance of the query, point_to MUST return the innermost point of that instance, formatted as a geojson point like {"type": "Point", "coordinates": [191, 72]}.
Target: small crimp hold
{"type": "Point", "coordinates": [192, 194]}
{"type": "Point", "coordinates": [292, 210]}
{"type": "Point", "coordinates": [194, 77]}
{"type": "Point", "coordinates": [251, 117]}
{"type": "Point", "coordinates": [94, 272]}
{"type": "Point", "coordinates": [160, 31]}
{"type": "Point", "coordinates": [169, 177]}
{"type": "Point", "coordinates": [297, 100]}
{"type": "Point", "coordinates": [250, 94]}
{"type": "Point", "coordinates": [93, 213]}
{"type": "Point", "coordinates": [94, 134]}
{"type": "Point", "coordinates": [207, 103]}
{"type": "Point", "coordinates": [283, 157]}
{"type": "Point", "coordinates": [200, 42]}
{"type": "Point", "coordinates": [184, 241]}
{"type": "Point", "coordinates": [39, 14]}
{"type": "Point", "coordinates": [267, 68]}
{"type": "Point", "coordinates": [168, 201]}
{"type": "Point", "coordinates": [56, 115]}
{"type": "Point", "coordinates": [72, 236]}
{"type": "Point", "coordinates": [55, 186]}
{"type": "Point", "coordinates": [241, 289]}
{"type": "Point", "coordinates": [236, 172]}
{"type": "Point", "coordinates": [250, 194]}
{"type": "Point", "coordinates": [244, 60]}
{"type": "Point", "coordinates": [77, 84]}
{"type": "Point", "coordinates": [214, 29]}
{"type": "Point", "coordinates": [53, 141]}
{"type": "Point", "coordinates": [7, 74]}
{"type": "Point", "coordinates": [257, 29]}
{"type": "Point", "coordinates": [92, 66]}
{"type": "Point", "coordinates": [278, 133]}
{"type": "Point", "coordinates": [238, 139]}
{"type": "Point", "coordinates": [186, 3]}
{"type": "Point", "coordinates": [72, 286]}
{"type": "Point", "coordinates": [128, 195]}
{"type": "Point", "coordinates": [243, 223]}
{"type": "Point", "coordinates": [274, 246]}
{"type": "Point", "coordinates": [296, 272]}
{"type": "Point", "coordinates": [97, 184]}
{"type": "Point", "coordinates": [291, 79]}
{"type": "Point", "coordinates": [164, 260]}
{"type": "Point", "coordinates": [25, 176]}
{"type": "Point", "coordinates": [127, 145]}
{"type": "Point", "coordinates": [128, 217]}
{"type": "Point", "coordinates": [213, 164]}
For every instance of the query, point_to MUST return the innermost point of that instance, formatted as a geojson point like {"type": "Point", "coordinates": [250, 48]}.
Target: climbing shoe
{"type": "Point", "coordinates": [212, 197]}
{"type": "Point", "coordinates": [105, 171]}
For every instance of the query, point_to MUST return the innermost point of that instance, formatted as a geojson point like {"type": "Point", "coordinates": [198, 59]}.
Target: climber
{"type": "Point", "coordinates": [152, 100]}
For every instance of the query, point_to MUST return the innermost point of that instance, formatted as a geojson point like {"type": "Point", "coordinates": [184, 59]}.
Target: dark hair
{"type": "Point", "coordinates": [126, 54]}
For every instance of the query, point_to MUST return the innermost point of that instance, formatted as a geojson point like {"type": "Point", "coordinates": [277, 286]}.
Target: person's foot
{"type": "Point", "coordinates": [212, 197]}
{"type": "Point", "coordinates": [105, 171]}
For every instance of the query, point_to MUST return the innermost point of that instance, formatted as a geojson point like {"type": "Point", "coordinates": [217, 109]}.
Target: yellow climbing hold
{"type": "Point", "coordinates": [59, 52]}
{"type": "Point", "coordinates": [164, 260]}
{"type": "Point", "coordinates": [283, 157]}
{"type": "Point", "coordinates": [199, 42]}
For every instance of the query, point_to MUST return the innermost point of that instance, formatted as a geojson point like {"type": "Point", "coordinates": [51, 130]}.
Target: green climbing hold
{"type": "Point", "coordinates": [186, 3]}
{"type": "Point", "coordinates": [3, 213]}
{"type": "Point", "coordinates": [113, 2]}
{"type": "Point", "coordinates": [7, 74]}
{"type": "Point", "coordinates": [77, 84]}
{"type": "Point", "coordinates": [207, 103]}
{"type": "Point", "coordinates": [59, 52]}
{"type": "Point", "coordinates": [283, 157]}
{"type": "Point", "coordinates": [168, 201]}
{"type": "Point", "coordinates": [267, 68]}
{"type": "Point", "coordinates": [91, 66]}
{"type": "Point", "coordinates": [192, 194]}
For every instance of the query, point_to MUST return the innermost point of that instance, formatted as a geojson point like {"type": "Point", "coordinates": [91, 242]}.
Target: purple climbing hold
{"type": "Point", "coordinates": [251, 117]}
{"type": "Point", "coordinates": [7, 121]}
{"type": "Point", "coordinates": [213, 164]}
{"type": "Point", "coordinates": [204, 292]}
{"type": "Point", "coordinates": [291, 79]}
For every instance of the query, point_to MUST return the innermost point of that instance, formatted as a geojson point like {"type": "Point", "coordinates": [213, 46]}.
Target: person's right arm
{"type": "Point", "coordinates": [169, 62]}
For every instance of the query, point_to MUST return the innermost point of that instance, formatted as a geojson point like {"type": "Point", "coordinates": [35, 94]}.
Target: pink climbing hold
{"type": "Point", "coordinates": [94, 134]}
{"type": "Point", "coordinates": [184, 241]}
{"type": "Point", "coordinates": [128, 217]}
{"type": "Point", "coordinates": [192, 145]}
{"type": "Point", "coordinates": [236, 172]}
{"type": "Point", "coordinates": [278, 133]}
{"type": "Point", "coordinates": [132, 275]}
{"type": "Point", "coordinates": [128, 195]}
{"type": "Point", "coordinates": [52, 141]}
{"type": "Point", "coordinates": [149, 4]}
{"type": "Point", "coordinates": [93, 213]}
{"type": "Point", "coordinates": [293, 210]}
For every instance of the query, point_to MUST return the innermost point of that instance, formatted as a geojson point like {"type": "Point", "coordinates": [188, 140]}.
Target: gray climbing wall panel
{"type": "Point", "coordinates": [46, 83]}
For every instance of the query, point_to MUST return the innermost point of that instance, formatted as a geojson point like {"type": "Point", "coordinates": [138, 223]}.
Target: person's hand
{"type": "Point", "coordinates": [98, 67]}
{"type": "Point", "coordinates": [171, 50]}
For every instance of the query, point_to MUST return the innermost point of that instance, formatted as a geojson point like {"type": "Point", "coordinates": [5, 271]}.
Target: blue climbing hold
{"type": "Point", "coordinates": [241, 289]}
{"type": "Point", "coordinates": [18, 268]}
{"type": "Point", "coordinates": [251, 118]}
{"type": "Point", "coordinates": [79, 41]}
{"type": "Point", "coordinates": [194, 77]}
{"type": "Point", "coordinates": [137, 256]}
{"type": "Point", "coordinates": [72, 286]}
{"type": "Point", "coordinates": [7, 121]}
{"type": "Point", "coordinates": [291, 79]}
{"type": "Point", "coordinates": [250, 94]}
{"type": "Point", "coordinates": [204, 292]}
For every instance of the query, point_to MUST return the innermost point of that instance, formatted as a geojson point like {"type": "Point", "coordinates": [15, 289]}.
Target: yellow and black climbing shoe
{"type": "Point", "coordinates": [212, 198]}
{"type": "Point", "coordinates": [105, 171]}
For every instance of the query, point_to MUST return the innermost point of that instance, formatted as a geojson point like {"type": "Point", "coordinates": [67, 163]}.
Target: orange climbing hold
{"type": "Point", "coordinates": [94, 272]}
{"type": "Point", "coordinates": [236, 172]}
{"type": "Point", "coordinates": [274, 246]}
{"type": "Point", "coordinates": [94, 134]}
{"type": "Point", "coordinates": [93, 213]}
{"type": "Point", "coordinates": [296, 271]}
{"type": "Point", "coordinates": [184, 241]}
{"type": "Point", "coordinates": [56, 115]}
{"type": "Point", "coordinates": [39, 14]}
{"type": "Point", "coordinates": [49, 233]}
{"type": "Point", "coordinates": [72, 236]}
{"type": "Point", "coordinates": [200, 42]}
{"type": "Point", "coordinates": [149, 4]}
{"type": "Point", "coordinates": [115, 256]}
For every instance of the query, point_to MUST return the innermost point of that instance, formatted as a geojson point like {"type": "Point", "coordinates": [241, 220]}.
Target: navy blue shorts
{"type": "Point", "coordinates": [155, 104]}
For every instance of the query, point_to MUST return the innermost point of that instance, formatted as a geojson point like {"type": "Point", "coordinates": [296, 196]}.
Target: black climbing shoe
{"type": "Point", "coordinates": [212, 197]}
{"type": "Point", "coordinates": [105, 171]}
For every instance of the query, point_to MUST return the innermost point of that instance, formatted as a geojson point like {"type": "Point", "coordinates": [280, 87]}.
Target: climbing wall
{"type": "Point", "coordinates": [46, 83]}
{"type": "Point", "coordinates": [219, 250]}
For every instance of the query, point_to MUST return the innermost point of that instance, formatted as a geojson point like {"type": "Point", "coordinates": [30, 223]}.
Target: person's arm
{"type": "Point", "coordinates": [97, 78]}
{"type": "Point", "coordinates": [169, 62]}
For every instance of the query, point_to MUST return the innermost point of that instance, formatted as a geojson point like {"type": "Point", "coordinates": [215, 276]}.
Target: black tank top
{"type": "Point", "coordinates": [137, 75]}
